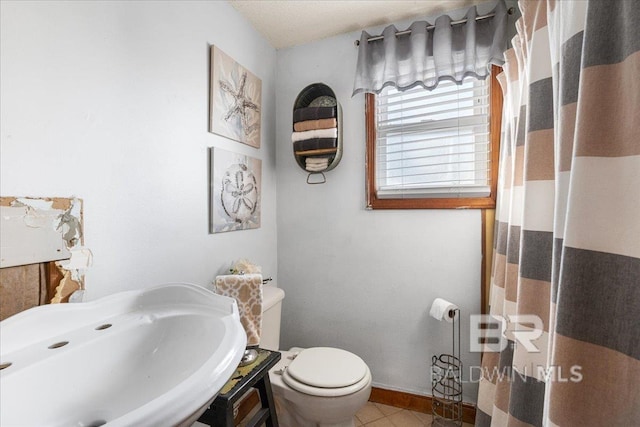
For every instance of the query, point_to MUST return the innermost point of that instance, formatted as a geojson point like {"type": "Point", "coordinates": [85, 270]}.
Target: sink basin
{"type": "Point", "coordinates": [151, 357]}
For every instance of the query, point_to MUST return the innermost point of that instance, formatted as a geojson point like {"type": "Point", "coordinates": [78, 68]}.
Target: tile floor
{"type": "Point", "coordinates": [379, 415]}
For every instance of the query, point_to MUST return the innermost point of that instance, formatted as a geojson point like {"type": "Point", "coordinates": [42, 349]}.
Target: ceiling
{"type": "Point", "coordinates": [286, 23]}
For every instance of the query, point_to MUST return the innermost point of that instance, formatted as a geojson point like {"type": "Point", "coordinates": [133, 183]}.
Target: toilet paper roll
{"type": "Point", "coordinates": [442, 309]}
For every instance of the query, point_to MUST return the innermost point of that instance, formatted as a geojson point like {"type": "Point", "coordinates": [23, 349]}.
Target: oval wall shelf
{"type": "Point", "coordinates": [317, 130]}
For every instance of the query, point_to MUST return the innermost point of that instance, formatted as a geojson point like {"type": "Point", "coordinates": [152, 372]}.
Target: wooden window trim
{"type": "Point", "coordinates": [373, 202]}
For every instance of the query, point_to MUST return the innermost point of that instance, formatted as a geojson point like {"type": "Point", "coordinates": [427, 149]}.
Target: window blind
{"type": "Point", "coordinates": [434, 143]}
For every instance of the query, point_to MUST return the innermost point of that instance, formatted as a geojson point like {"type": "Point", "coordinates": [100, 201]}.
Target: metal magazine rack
{"type": "Point", "coordinates": [446, 381]}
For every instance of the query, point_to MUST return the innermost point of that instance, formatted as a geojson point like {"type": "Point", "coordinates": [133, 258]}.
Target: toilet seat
{"type": "Point", "coordinates": [326, 372]}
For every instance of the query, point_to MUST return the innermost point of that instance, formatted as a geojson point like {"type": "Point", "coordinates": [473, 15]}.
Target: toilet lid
{"type": "Point", "coordinates": [327, 367]}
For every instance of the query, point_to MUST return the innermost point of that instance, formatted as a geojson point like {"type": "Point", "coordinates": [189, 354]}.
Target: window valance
{"type": "Point", "coordinates": [429, 53]}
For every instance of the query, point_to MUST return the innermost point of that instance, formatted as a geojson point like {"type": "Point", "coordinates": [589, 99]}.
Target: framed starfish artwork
{"type": "Point", "coordinates": [235, 187]}
{"type": "Point", "coordinates": [236, 97]}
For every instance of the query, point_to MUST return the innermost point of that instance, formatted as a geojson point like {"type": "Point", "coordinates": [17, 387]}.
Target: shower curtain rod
{"type": "Point", "coordinates": [431, 27]}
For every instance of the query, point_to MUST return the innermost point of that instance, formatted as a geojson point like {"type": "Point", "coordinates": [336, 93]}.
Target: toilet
{"type": "Point", "coordinates": [318, 386]}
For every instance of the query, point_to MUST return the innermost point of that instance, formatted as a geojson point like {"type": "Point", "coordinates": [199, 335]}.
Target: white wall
{"type": "Point", "coordinates": [108, 101]}
{"type": "Point", "coordinates": [357, 279]}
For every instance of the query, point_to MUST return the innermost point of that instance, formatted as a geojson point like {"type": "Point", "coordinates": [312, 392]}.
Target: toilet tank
{"type": "Point", "coordinates": [271, 311]}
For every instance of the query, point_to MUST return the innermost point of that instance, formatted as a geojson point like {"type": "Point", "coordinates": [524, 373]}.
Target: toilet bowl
{"type": "Point", "coordinates": [317, 386]}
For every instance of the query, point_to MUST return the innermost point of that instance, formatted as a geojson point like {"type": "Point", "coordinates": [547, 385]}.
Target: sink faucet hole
{"type": "Point", "coordinates": [96, 423]}
{"type": "Point", "coordinates": [105, 326]}
{"type": "Point", "coordinates": [5, 365]}
{"type": "Point", "coordinates": [59, 344]}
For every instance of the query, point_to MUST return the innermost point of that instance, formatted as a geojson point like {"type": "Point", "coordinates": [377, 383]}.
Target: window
{"type": "Point", "coordinates": [434, 149]}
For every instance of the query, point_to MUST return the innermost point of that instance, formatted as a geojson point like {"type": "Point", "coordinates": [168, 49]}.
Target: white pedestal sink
{"type": "Point", "coordinates": [153, 357]}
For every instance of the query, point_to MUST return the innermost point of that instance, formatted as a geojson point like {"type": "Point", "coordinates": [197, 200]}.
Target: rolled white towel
{"type": "Point", "coordinates": [316, 161]}
{"type": "Point", "coordinates": [316, 133]}
{"type": "Point", "coordinates": [314, 168]}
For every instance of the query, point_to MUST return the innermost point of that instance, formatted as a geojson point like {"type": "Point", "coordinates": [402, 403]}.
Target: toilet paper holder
{"type": "Point", "coordinates": [446, 380]}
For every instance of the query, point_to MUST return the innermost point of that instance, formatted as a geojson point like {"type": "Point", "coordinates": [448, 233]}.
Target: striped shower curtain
{"type": "Point", "coordinates": [566, 271]}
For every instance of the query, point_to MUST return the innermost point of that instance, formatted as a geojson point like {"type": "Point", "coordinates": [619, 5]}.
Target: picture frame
{"type": "Point", "coordinates": [235, 100]}
{"type": "Point", "coordinates": [235, 190]}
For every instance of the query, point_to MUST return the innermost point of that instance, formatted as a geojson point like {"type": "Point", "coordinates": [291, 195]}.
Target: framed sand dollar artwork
{"type": "Point", "coordinates": [236, 98]}
{"type": "Point", "coordinates": [235, 187]}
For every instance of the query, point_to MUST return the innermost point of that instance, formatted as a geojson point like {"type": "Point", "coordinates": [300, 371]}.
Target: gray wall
{"type": "Point", "coordinates": [108, 101]}
{"type": "Point", "coordinates": [357, 279]}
